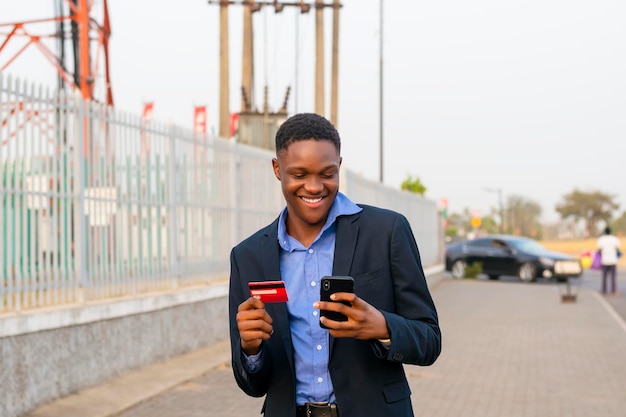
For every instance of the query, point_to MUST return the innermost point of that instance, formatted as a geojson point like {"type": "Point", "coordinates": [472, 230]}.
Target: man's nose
{"type": "Point", "coordinates": [313, 184]}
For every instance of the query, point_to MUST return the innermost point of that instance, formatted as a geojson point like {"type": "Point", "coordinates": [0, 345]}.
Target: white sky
{"type": "Point", "coordinates": [526, 96]}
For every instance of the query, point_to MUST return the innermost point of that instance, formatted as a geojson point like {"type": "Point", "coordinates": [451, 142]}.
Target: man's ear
{"type": "Point", "coordinates": [276, 168]}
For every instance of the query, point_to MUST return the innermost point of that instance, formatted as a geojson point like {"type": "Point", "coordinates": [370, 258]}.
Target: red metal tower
{"type": "Point", "coordinates": [84, 31]}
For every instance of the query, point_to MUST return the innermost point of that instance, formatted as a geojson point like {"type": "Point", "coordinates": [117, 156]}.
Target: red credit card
{"type": "Point", "coordinates": [268, 291]}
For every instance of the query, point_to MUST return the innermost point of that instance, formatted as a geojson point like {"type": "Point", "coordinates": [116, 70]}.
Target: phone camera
{"type": "Point", "coordinates": [326, 285]}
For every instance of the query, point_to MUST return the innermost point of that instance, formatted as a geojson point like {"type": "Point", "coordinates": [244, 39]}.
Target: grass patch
{"type": "Point", "coordinates": [577, 247]}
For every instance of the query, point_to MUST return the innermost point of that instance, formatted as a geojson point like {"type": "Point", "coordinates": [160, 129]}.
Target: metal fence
{"type": "Point", "coordinates": [97, 203]}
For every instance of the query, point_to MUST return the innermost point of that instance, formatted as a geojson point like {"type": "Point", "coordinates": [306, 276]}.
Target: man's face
{"type": "Point", "coordinates": [309, 175]}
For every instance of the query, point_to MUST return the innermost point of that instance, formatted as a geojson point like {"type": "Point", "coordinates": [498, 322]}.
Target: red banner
{"type": "Point", "coordinates": [147, 110]}
{"type": "Point", "coordinates": [234, 123]}
{"type": "Point", "coordinates": [145, 122]}
{"type": "Point", "coordinates": [199, 119]}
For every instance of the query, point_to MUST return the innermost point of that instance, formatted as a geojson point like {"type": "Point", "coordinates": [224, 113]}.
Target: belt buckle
{"type": "Point", "coordinates": [321, 409]}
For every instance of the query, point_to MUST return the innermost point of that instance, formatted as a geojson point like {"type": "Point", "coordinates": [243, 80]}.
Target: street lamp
{"type": "Point", "coordinates": [499, 191]}
{"type": "Point", "coordinates": [380, 97]}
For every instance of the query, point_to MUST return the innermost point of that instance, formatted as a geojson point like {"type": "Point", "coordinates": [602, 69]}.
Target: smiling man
{"type": "Point", "coordinates": [281, 351]}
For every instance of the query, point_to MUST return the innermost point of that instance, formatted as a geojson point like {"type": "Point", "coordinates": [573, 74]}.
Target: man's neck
{"type": "Point", "coordinates": [304, 233]}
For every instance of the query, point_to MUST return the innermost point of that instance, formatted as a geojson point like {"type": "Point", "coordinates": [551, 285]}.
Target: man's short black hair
{"type": "Point", "coordinates": [303, 126]}
{"type": "Point", "coordinates": [607, 230]}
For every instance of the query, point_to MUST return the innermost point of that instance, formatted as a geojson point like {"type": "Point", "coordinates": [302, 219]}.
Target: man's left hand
{"type": "Point", "coordinates": [364, 321]}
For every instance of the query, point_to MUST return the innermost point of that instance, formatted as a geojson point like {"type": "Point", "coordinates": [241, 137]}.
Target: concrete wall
{"type": "Point", "coordinates": [49, 354]}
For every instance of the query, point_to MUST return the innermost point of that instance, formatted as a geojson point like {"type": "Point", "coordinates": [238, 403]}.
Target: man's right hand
{"type": "Point", "coordinates": [254, 324]}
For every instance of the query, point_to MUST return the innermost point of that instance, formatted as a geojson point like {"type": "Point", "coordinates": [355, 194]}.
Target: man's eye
{"type": "Point", "coordinates": [299, 176]}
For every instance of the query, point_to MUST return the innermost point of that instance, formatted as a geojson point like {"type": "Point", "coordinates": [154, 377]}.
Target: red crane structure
{"type": "Point", "coordinates": [84, 31]}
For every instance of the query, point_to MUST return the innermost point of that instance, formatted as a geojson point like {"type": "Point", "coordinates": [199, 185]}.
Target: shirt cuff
{"type": "Point", "coordinates": [380, 350]}
{"type": "Point", "coordinates": [252, 363]}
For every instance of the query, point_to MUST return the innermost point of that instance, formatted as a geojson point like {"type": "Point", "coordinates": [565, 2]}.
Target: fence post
{"type": "Point", "coordinates": [172, 204]}
{"type": "Point", "coordinates": [79, 192]}
{"type": "Point", "coordinates": [235, 177]}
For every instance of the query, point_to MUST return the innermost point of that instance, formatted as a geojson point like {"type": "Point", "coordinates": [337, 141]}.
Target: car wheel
{"type": "Point", "coordinates": [527, 272]}
{"type": "Point", "coordinates": [458, 269]}
{"type": "Point", "coordinates": [494, 276]}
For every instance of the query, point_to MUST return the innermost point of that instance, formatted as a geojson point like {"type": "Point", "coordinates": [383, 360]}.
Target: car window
{"type": "Point", "coordinates": [499, 244]}
{"type": "Point", "coordinates": [529, 246]}
{"type": "Point", "coordinates": [481, 243]}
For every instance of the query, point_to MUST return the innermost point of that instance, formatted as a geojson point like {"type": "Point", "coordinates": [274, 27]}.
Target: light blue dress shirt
{"type": "Point", "coordinates": [302, 269]}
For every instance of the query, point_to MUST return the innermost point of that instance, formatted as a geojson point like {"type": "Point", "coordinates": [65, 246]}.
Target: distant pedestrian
{"type": "Point", "coordinates": [608, 246]}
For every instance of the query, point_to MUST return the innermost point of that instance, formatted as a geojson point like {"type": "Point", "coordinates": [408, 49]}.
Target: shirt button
{"type": "Point", "coordinates": [313, 283]}
{"type": "Point", "coordinates": [310, 250]}
{"type": "Point", "coordinates": [320, 379]}
{"type": "Point", "coordinates": [315, 313]}
{"type": "Point", "coordinates": [319, 347]}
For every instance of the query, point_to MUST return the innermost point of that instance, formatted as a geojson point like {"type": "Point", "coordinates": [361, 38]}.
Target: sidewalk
{"type": "Point", "coordinates": [509, 349]}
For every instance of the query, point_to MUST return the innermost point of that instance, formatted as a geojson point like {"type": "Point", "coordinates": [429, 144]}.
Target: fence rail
{"type": "Point", "coordinates": [97, 203]}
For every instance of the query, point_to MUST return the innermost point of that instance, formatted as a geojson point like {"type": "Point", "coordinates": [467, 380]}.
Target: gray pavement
{"type": "Point", "coordinates": [509, 349]}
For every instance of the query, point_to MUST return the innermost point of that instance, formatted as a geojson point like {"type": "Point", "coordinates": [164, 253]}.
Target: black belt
{"type": "Point", "coordinates": [317, 410]}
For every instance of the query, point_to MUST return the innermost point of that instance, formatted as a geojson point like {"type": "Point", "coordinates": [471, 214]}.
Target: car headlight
{"type": "Point", "coordinates": [546, 261]}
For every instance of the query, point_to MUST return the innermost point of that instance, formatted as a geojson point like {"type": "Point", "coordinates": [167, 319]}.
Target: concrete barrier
{"type": "Point", "coordinates": [45, 355]}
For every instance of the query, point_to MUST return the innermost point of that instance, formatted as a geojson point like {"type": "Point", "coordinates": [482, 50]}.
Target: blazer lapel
{"type": "Point", "coordinates": [270, 252]}
{"type": "Point", "coordinates": [345, 244]}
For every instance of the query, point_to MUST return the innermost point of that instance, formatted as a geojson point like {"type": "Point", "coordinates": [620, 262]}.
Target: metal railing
{"type": "Point", "coordinates": [97, 203]}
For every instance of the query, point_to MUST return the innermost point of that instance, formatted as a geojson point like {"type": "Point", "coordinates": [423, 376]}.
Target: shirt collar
{"type": "Point", "coordinates": [342, 206]}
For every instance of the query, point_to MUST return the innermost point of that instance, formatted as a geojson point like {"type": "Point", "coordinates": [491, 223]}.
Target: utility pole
{"type": "Point", "coordinates": [334, 80]}
{"type": "Point", "coordinates": [319, 61]}
{"type": "Point", "coordinates": [380, 104]}
{"type": "Point", "coordinates": [251, 6]}
{"type": "Point", "coordinates": [224, 124]}
{"type": "Point", "coordinates": [247, 61]}
{"type": "Point", "coordinates": [500, 203]}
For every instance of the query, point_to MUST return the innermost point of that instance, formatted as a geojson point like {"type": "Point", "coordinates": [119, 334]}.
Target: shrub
{"type": "Point", "coordinates": [472, 270]}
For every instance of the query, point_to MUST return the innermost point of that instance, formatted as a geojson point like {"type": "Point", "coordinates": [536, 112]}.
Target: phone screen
{"type": "Point", "coordinates": [330, 285]}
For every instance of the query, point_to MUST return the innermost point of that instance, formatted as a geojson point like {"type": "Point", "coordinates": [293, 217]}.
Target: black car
{"type": "Point", "coordinates": [511, 255]}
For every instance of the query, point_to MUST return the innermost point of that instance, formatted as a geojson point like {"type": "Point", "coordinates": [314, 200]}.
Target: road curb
{"type": "Point", "coordinates": [121, 393]}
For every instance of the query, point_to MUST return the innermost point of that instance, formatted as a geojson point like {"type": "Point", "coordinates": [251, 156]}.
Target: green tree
{"type": "Point", "coordinates": [451, 231]}
{"type": "Point", "coordinates": [413, 185]}
{"type": "Point", "coordinates": [488, 225]}
{"type": "Point", "coordinates": [619, 225]}
{"type": "Point", "coordinates": [591, 207]}
{"type": "Point", "coordinates": [461, 224]}
{"type": "Point", "coordinates": [522, 217]}
{"type": "Point", "coordinates": [458, 225]}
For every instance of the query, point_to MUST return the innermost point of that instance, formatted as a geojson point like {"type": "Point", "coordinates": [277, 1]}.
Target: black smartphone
{"type": "Point", "coordinates": [331, 285]}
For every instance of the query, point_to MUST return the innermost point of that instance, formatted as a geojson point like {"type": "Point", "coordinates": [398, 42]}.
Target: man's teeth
{"type": "Point", "coordinates": [311, 200]}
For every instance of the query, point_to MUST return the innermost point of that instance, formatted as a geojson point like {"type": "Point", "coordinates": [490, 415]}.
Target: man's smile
{"type": "Point", "coordinates": [312, 200]}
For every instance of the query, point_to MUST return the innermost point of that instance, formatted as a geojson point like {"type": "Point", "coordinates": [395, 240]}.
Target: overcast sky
{"type": "Point", "coordinates": [524, 96]}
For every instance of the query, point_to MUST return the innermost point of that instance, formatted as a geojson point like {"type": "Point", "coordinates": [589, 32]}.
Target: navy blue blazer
{"type": "Point", "coordinates": [377, 248]}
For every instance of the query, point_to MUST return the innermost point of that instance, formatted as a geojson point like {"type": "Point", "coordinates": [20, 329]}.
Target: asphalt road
{"type": "Point", "coordinates": [589, 279]}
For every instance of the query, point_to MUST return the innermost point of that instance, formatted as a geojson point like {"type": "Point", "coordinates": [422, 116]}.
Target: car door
{"type": "Point", "coordinates": [477, 250]}
{"type": "Point", "coordinates": [501, 258]}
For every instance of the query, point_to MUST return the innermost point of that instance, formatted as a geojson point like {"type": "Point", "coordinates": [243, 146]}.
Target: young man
{"type": "Point", "coordinates": [355, 367]}
{"type": "Point", "coordinates": [608, 246]}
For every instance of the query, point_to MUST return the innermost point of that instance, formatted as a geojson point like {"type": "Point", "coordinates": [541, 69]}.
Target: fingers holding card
{"type": "Point", "coordinates": [268, 291]}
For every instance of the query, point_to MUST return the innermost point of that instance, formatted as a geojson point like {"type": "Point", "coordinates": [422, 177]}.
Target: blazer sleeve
{"type": "Point", "coordinates": [413, 323]}
{"type": "Point", "coordinates": [256, 383]}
